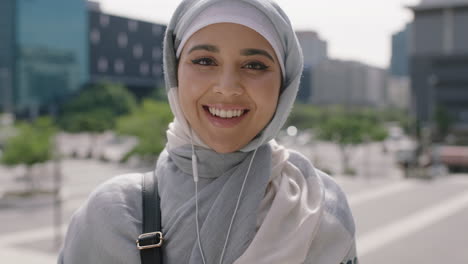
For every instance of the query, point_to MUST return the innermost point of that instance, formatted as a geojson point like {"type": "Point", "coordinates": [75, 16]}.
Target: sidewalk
{"type": "Point", "coordinates": [27, 235]}
{"type": "Point", "coordinates": [26, 247]}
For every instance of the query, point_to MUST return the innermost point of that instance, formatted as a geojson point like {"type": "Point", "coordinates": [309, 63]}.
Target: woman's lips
{"type": "Point", "coordinates": [224, 122]}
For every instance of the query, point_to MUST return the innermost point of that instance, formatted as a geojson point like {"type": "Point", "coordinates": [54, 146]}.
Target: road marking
{"type": "Point", "coordinates": [28, 236]}
{"type": "Point", "coordinates": [374, 240]}
{"type": "Point", "coordinates": [373, 194]}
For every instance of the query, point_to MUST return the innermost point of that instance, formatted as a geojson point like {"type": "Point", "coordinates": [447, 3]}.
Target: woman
{"type": "Point", "coordinates": [229, 193]}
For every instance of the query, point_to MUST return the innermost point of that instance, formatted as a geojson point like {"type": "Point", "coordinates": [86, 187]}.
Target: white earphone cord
{"type": "Point", "coordinates": [195, 178]}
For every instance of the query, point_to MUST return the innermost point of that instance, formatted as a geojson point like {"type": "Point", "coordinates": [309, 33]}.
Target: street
{"type": "Point", "coordinates": [398, 220]}
{"type": "Point", "coordinates": [410, 221]}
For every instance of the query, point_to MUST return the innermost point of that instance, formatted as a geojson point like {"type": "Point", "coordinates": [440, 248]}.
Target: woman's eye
{"type": "Point", "coordinates": [256, 66]}
{"type": "Point", "coordinates": [203, 61]}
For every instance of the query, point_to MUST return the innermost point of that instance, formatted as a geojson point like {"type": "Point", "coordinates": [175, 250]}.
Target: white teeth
{"type": "Point", "coordinates": [225, 113]}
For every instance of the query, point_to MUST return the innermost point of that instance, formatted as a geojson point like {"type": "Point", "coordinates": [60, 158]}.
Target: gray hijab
{"type": "Point", "coordinates": [188, 10]}
{"type": "Point", "coordinates": [221, 175]}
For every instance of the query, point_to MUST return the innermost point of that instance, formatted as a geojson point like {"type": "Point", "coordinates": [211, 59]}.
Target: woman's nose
{"type": "Point", "coordinates": [229, 83]}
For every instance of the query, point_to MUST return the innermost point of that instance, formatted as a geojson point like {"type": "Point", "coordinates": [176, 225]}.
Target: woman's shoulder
{"type": "Point", "coordinates": [117, 188]}
{"type": "Point", "coordinates": [104, 229]}
{"type": "Point", "coordinates": [118, 196]}
{"type": "Point", "coordinates": [335, 200]}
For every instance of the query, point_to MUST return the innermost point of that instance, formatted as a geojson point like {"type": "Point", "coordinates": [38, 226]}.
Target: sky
{"type": "Point", "coordinates": [358, 30]}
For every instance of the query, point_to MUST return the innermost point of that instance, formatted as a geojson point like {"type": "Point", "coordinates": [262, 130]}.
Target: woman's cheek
{"type": "Point", "coordinates": [197, 80]}
{"type": "Point", "coordinates": [190, 83]}
{"type": "Point", "coordinates": [265, 89]}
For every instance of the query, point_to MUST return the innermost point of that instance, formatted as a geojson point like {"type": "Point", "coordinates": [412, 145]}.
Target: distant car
{"type": "Point", "coordinates": [454, 157]}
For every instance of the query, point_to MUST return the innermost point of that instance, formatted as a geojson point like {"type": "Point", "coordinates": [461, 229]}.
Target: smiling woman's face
{"type": "Point", "coordinates": [229, 83]}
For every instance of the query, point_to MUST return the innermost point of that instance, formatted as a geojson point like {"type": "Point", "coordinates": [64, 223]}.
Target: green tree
{"type": "Point", "coordinates": [32, 145]}
{"type": "Point", "coordinates": [399, 116]}
{"type": "Point", "coordinates": [304, 116]}
{"type": "Point", "coordinates": [148, 123]}
{"type": "Point", "coordinates": [96, 108]}
{"type": "Point", "coordinates": [159, 94]}
{"type": "Point", "coordinates": [350, 128]}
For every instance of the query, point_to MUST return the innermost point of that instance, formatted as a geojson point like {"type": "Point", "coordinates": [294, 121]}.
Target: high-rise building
{"type": "Point", "coordinates": [399, 63]}
{"type": "Point", "coordinates": [439, 61]}
{"type": "Point", "coordinates": [315, 51]}
{"type": "Point", "coordinates": [398, 92]}
{"type": "Point", "coordinates": [43, 53]}
{"type": "Point", "coordinates": [398, 95]}
{"type": "Point", "coordinates": [125, 51]}
{"type": "Point", "coordinates": [49, 50]}
{"type": "Point", "coordinates": [349, 83]}
{"type": "Point", "coordinates": [7, 34]}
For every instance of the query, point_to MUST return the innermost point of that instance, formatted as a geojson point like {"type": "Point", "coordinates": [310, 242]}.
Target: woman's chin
{"type": "Point", "coordinates": [224, 148]}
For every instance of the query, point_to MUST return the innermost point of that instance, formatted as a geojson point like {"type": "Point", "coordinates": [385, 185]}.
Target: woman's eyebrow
{"type": "Point", "coordinates": [251, 52]}
{"type": "Point", "coordinates": [206, 47]}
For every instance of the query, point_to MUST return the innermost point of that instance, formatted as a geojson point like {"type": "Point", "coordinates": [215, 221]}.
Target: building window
{"type": "Point", "coordinates": [95, 36]}
{"type": "Point", "coordinates": [102, 64]}
{"type": "Point", "coordinates": [122, 40]}
{"type": "Point", "coordinates": [119, 66]}
{"type": "Point", "coordinates": [104, 20]}
{"type": "Point", "coordinates": [157, 30]}
{"type": "Point", "coordinates": [156, 53]}
{"type": "Point", "coordinates": [133, 25]}
{"type": "Point", "coordinates": [137, 51]}
{"type": "Point", "coordinates": [157, 70]}
{"type": "Point", "coordinates": [144, 68]}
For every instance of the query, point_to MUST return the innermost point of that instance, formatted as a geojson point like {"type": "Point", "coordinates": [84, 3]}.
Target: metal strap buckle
{"type": "Point", "coordinates": [146, 235]}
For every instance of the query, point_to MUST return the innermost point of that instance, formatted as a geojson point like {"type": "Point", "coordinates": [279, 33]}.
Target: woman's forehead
{"type": "Point", "coordinates": [215, 37]}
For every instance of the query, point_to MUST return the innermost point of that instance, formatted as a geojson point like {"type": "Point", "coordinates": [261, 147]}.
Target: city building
{"type": "Point", "coordinates": [43, 53]}
{"type": "Point", "coordinates": [439, 62]}
{"type": "Point", "coordinates": [398, 93]}
{"type": "Point", "coordinates": [125, 51]}
{"type": "Point", "coordinates": [349, 83]}
{"type": "Point", "coordinates": [304, 94]}
{"type": "Point", "coordinates": [315, 50]}
{"type": "Point", "coordinates": [50, 50]}
{"type": "Point", "coordinates": [399, 64]}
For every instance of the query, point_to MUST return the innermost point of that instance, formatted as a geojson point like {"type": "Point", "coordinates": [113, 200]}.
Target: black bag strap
{"type": "Point", "coordinates": [150, 242]}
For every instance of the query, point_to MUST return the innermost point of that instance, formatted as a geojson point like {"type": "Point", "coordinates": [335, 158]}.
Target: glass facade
{"type": "Point", "coordinates": [6, 54]}
{"type": "Point", "coordinates": [51, 52]}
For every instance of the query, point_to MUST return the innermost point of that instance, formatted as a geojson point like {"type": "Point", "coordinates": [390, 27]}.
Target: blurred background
{"type": "Point", "coordinates": [382, 107]}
